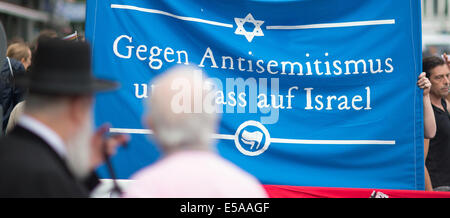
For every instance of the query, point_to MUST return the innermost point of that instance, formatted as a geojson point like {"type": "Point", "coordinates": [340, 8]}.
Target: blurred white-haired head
{"type": "Point", "coordinates": [181, 110]}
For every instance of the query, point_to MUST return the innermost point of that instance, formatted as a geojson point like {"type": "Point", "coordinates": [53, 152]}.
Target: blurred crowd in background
{"type": "Point", "coordinates": [25, 19]}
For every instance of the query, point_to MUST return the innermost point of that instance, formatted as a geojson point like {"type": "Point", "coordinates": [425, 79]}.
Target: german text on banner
{"type": "Point", "coordinates": [310, 92]}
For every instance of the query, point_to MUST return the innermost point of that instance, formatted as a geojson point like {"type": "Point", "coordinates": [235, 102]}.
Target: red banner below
{"type": "Point", "coordinates": [280, 191]}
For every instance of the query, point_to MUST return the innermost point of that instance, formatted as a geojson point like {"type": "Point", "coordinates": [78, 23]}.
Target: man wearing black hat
{"type": "Point", "coordinates": [52, 149]}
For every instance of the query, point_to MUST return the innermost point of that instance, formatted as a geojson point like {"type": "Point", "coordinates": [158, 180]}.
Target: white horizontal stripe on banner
{"type": "Point", "coordinates": [333, 25]}
{"type": "Point", "coordinates": [274, 140]}
{"type": "Point", "coordinates": [154, 11]}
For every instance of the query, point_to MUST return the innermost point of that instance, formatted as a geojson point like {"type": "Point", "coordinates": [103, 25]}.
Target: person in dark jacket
{"type": "Point", "coordinates": [10, 94]}
{"type": "Point", "coordinates": [52, 151]}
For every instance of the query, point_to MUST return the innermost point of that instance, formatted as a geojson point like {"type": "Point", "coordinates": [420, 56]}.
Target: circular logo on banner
{"type": "Point", "coordinates": [252, 138]}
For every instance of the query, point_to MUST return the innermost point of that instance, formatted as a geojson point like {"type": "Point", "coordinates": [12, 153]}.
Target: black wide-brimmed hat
{"type": "Point", "coordinates": [62, 67]}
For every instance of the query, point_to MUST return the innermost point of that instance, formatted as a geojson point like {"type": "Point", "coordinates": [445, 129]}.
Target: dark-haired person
{"type": "Point", "coordinates": [447, 61]}
{"type": "Point", "coordinates": [429, 121]}
{"type": "Point", "coordinates": [438, 161]}
{"type": "Point", "coordinates": [43, 35]}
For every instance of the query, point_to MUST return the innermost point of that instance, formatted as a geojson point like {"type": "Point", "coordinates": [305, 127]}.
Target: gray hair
{"type": "Point", "coordinates": [48, 103]}
{"type": "Point", "coordinates": [42, 102]}
{"type": "Point", "coordinates": [180, 128]}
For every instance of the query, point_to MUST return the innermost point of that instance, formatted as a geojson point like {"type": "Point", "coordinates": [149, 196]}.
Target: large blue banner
{"type": "Point", "coordinates": [311, 92]}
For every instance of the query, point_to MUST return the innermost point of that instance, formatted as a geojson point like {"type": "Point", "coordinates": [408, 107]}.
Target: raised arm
{"type": "Point", "coordinates": [428, 113]}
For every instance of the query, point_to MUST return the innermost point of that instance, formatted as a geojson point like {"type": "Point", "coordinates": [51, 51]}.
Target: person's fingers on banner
{"type": "Point", "coordinates": [96, 145]}
{"type": "Point", "coordinates": [110, 142]}
{"type": "Point", "coordinates": [447, 61]}
{"type": "Point", "coordinates": [424, 83]}
{"type": "Point", "coordinates": [113, 142]}
{"type": "Point", "coordinates": [421, 81]}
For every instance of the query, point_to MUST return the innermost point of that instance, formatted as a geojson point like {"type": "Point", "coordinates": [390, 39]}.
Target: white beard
{"type": "Point", "coordinates": [79, 151]}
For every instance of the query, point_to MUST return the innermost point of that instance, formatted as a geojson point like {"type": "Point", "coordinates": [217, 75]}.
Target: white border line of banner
{"type": "Point", "coordinates": [333, 25]}
{"type": "Point", "coordinates": [154, 11]}
{"type": "Point", "coordinates": [292, 27]}
{"type": "Point", "coordinates": [273, 140]}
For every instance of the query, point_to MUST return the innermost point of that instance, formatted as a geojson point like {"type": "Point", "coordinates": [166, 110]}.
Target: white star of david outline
{"type": "Point", "coordinates": [240, 30]}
